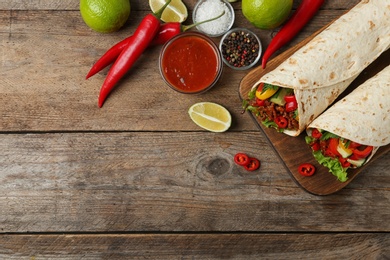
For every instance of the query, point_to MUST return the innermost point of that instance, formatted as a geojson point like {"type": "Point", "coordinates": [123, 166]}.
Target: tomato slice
{"type": "Point", "coordinates": [281, 122]}
{"type": "Point", "coordinates": [260, 102]}
{"type": "Point", "coordinates": [291, 106]}
{"type": "Point", "coordinates": [290, 98]}
{"type": "Point", "coordinates": [253, 164]}
{"type": "Point", "coordinates": [306, 169]}
{"type": "Point", "coordinates": [315, 146]}
{"type": "Point", "coordinates": [315, 133]}
{"type": "Point", "coordinates": [241, 159]}
{"type": "Point", "coordinates": [362, 151]}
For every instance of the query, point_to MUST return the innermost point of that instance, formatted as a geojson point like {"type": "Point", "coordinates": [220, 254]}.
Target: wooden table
{"type": "Point", "coordinates": [137, 178]}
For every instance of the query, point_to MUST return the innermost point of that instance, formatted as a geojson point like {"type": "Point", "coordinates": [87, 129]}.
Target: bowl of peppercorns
{"type": "Point", "coordinates": [240, 48]}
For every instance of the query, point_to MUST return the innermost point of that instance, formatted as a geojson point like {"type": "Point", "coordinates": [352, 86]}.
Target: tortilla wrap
{"type": "Point", "coordinates": [322, 69]}
{"type": "Point", "coordinates": [363, 116]}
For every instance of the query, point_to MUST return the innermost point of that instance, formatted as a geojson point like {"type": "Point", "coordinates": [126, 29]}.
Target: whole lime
{"type": "Point", "coordinates": [105, 16]}
{"type": "Point", "coordinates": [266, 14]}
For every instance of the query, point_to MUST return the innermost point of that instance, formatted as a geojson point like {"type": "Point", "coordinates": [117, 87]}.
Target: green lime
{"type": "Point", "coordinates": [266, 14]}
{"type": "Point", "coordinates": [105, 16]}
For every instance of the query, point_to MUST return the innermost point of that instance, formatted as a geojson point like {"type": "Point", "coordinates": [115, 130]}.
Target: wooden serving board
{"type": "Point", "coordinates": [294, 151]}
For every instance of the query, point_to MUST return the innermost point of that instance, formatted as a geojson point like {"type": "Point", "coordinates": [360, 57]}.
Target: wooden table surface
{"type": "Point", "coordinates": [137, 178]}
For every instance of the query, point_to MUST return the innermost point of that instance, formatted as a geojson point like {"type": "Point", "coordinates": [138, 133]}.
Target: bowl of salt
{"type": "Point", "coordinates": [208, 9]}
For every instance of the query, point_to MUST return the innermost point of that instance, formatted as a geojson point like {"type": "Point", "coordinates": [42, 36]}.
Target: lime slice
{"type": "Point", "coordinates": [210, 116]}
{"type": "Point", "coordinates": [176, 11]}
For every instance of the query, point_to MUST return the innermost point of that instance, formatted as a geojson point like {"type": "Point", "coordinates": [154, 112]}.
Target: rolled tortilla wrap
{"type": "Point", "coordinates": [362, 117]}
{"type": "Point", "coordinates": [322, 69]}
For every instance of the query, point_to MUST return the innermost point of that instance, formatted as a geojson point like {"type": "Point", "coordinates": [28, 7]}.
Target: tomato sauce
{"type": "Point", "coordinates": [190, 63]}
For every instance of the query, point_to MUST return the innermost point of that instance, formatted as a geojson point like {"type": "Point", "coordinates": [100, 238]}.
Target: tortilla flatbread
{"type": "Point", "coordinates": [322, 69]}
{"type": "Point", "coordinates": [363, 116]}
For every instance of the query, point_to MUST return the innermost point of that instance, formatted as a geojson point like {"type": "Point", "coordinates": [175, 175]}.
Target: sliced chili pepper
{"type": "Point", "coordinates": [166, 32]}
{"type": "Point", "coordinates": [305, 11]}
{"type": "Point", "coordinates": [362, 151]}
{"type": "Point", "coordinates": [141, 39]}
{"type": "Point", "coordinates": [281, 122]}
{"type": "Point", "coordinates": [315, 133]}
{"type": "Point", "coordinates": [241, 159]}
{"type": "Point", "coordinates": [306, 169]}
{"type": "Point", "coordinates": [291, 106]}
{"type": "Point", "coordinates": [253, 164]}
{"type": "Point", "coordinates": [344, 162]}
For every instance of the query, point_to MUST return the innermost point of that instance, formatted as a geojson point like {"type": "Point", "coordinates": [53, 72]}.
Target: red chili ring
{"type": "Point", "coordinates": [306, 169]}
{"type": "Point", "coordinates": [241, 159]}
{"type": "Point", "coordinates": [253, 164]}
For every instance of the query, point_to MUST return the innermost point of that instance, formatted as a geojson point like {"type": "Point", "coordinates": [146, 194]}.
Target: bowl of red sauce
{"type": "Point", "coordinates": [190, 63]}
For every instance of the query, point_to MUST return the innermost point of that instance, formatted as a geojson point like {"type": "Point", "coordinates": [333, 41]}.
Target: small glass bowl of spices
{"type": "Point", "coordinates": [240, 48]}
{"type": "Point", "coordinates": [208, 9]}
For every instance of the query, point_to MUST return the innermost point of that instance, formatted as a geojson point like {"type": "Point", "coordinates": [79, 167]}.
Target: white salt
{"type": "Point", "coordinates": [210, 9]}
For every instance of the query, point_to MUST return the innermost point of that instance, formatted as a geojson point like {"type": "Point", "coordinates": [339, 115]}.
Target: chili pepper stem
{"type": "Point", "coordinates": [159, 12]}
{"type": "Point", "coordinates": [187, 27]}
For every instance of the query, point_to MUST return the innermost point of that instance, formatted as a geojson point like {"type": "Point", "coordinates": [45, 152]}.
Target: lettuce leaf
{"type": "Point", "coordinates": [333, 165]}
{"type": "Point", "coordinates": [268, 123]}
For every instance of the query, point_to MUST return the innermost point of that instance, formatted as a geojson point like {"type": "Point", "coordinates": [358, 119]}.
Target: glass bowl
{"type": "Point", "coordinates": [190, 63]}
{"type": "Point", "coordinates": [208, 9]}
{"type": "Point", "coordinates": [240, 49]}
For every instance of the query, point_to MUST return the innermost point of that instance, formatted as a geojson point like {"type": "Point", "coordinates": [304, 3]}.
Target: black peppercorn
{"type": "Point", "coordinates": [240, 49]}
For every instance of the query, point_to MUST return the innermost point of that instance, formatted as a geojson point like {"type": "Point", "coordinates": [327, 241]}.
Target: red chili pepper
{"type": "Point", "coordinates": [315, 133]}
{"type": "Point", "coordinates": [362, 151]}
{"type": "Point", "coordinates": [166, 32]}
{"type": "Point", "coordinates": [281, 122]}
{"type": "Point", "coordinates": [252, 165]}
{"type": "Point", "coordinates": [305, 11]}
{"type": "Point", "coordinates": [108, 57]}
{"type": "Point", "coordinates": [353, 145]}
{"type": "Point", "coordinates": [241, 159]}
{"type": "Point", "coordinates": [141, 39]}
{"type": "Point", "coordinates": [306, 169]}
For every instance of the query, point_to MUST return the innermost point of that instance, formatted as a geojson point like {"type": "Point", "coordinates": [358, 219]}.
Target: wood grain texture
{"type": "Point", "coordinates": [44, 86]}
{"type": "Point", "coordinates": [86, 182]}
{"type": "Point", "coordinates": [197, 246]}
{"type": "Point", "coordinates": [137, 179]}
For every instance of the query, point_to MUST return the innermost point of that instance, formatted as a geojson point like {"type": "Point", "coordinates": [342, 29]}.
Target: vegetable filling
{"type": "Point", "coordinates": [336, 153]}
{"type": "Point", "coordinates": [275, 106]}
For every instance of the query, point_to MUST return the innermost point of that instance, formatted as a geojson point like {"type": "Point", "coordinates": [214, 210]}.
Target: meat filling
{"type": "Point", "coordinates": [271, 110]}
